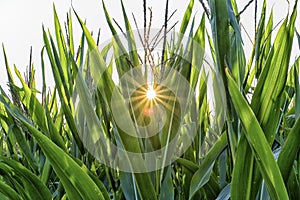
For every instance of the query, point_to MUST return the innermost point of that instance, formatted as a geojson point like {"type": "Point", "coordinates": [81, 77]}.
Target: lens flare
{"type": "Point", "coordinates": [151, 94]}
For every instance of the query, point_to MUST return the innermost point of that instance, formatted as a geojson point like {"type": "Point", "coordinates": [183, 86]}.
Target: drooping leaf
{"type": "Point", "coordinates": [32, 184]}
{"type": "Point", "coordinates": [69, 172]}
{"type": "Point", "coordinates": [8, 192]}
{"type": "Point", "coordinates": [258, 143]}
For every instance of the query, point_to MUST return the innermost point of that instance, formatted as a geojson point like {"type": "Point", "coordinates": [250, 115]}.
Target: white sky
{"type": "Point", "coordinates": [21, 23]}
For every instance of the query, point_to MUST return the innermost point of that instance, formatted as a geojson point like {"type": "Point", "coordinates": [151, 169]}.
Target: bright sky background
{"type": "Point", "coordinates": [21, 23]}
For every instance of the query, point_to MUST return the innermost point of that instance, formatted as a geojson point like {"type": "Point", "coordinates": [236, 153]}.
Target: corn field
{"type": "Point", "coordinates": [156, 113]}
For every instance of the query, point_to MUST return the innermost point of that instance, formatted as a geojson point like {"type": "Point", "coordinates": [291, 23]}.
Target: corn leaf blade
{"type": "Point", "coordinates": [259, 144]}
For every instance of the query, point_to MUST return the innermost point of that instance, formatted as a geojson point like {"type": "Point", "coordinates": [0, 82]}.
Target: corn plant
{"type": "Point", "coordinates": [146, 115]}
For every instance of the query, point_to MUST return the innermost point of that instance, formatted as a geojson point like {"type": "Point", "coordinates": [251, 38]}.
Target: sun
{"type": "Point", "coordinates": [151, 94]}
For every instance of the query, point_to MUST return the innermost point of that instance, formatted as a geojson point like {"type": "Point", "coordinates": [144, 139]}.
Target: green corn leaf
{"type": "Point", "coordinates": [70, 31]}
{"type": "Point", "coordinates": [266, 97]}
{"type": "Point", "coordinates": [289, 151]}
{"type": "Point", "coordinates": [242, 173]}
{"type": "Point", "coordinates": [202, 175]}
{"type": "Point", "coordinates": [61, 44]}
{"type": "Point", "coordinates": [220, 31]}
{"type": "Point", "coordinates": [298, 37]}
{"type": "Point", "coordinates": [39, 136]}
{"type": "Point", "coordinates": [238, 60]}
{"type": "Point", "coordinates": [38, 114]}
{"type": "Point", "coordinates": [233, 20]}
{"type": "Point", "coordinates": [69, 172]}
{"type": "Point", "coordinates": [211, 46]}
{"type": "Point", "coordinates": [81, 52]}
{"type": "Point", "coordinates": [198, 52]}
{"type": "Point", "coordinates": [105, 50]}
{"type": "Point", "coordinates": [32, 104]}
{"type": "Point", "coordinates": [9, 192]}
{"type": "Point", "coordinates": [43, 76]}
{"type": "Point", "coordinates": [266, 104]}
{"type": "Point", "coordinates": [17, 182]}
{"type": "Point", "coordinates": [120, 58]}
{"type": "Point", "coordinates": [184, 24]}
{"type": "Point", "coordinates": [186, 62]}
{"type": "Point", "coordinates": [20, 138]}
{"type": "Point", "coordinates": [260, 51]}
{"type": "Point", "coordinates": [260, 40]}
{"type": "Point", "coordinates": [59, 67]}
{"type": "Point", "coordinates": [46, 172]}
{"type": "Point", "coordinates": [144, 184]}
{"type": "Point", "coordinates": [134, 57]}
{"type": "Point", "coordinates": [119, 49]}
{"type": "Point", "coordinates": [108, 20]}
{"type": "Point", "coordinates": [128, 186]}
{"type": "Point", "coordinates": [225, 193]}
{"type": "Point", "coordinates": [9, 74]}
{"type": "Point", "coordinates": [237, 56]}
{"type": "Point", "coordinates": [265, 46]}
{"type": "Point", "coordinates": [97, 59]}
{"type": "Point", "coordinates": [63, 94]}
{"type": "Point", "coordinates": [14, 95]}
{"type": "Point", "coordinates": [271, 85]}
{"type": "Point", "coordinates": [8, 125]}
{"type": "Point", "coordinates": [297, 88]}
{"type": "Point", "coordinates": [32, 184]}
{"type": "Point", "coordinates": [94, 178]}
{"type": "Point", "coordinates": [259, 145]}
{"type": "Point", "coordinates": [21, 185]}
{"type": "Point", "coordinates": [167, 189]}
{"type": "Point", "coordinates": [186, 17]}
{"type": "Point", "coordinates": [192, 167]}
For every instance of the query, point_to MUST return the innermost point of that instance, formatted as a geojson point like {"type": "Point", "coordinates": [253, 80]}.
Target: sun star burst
{"type": "Point", "coordinates": [151, 94]}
